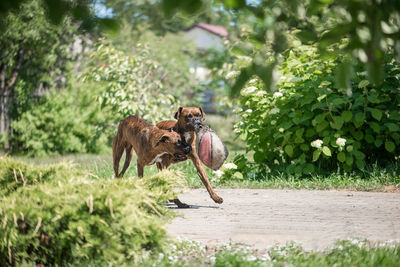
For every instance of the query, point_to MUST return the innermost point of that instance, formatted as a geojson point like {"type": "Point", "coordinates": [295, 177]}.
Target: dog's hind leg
{"type": "Point", "coordinates": [159, 166]}
{"type": "Point", "coordinates": [128, 158]}
{"type": "Point", "coordinates": [118, 150]}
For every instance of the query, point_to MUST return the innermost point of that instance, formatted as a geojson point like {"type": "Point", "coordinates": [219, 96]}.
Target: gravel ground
{"type": "Point", "coordinates": [263, 218]}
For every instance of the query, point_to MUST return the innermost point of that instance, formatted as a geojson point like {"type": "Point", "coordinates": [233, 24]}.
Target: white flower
{"type": "Point", "coordinates": [218, 173]}
{"type": "Point", "coordinates": [277, 94]}
{"type": "Point", "coordinates": [249, 110]}
{"type": "Point", "coordinates": [253, 81]}
{"type": "Point", "coordinates": [231, 74]}
{"type": "Point", "coordinates": [317, 143]}
{"type": "Point", "coordinates": [341, 142]}
{"type": "Point", "coordinates": [274, 111]}
{"type": "Point", "coordinates": [249, 90]}
{"type": "Point", "coordinates": [230, 166]}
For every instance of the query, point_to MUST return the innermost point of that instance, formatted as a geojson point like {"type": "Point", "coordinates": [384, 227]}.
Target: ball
{"type": "Point", "coordinates": [211, 150]}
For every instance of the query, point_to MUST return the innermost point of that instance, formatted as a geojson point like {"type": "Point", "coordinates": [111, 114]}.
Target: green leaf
{"type": "Point", "coordinates": [320, 117]}
{"type": "Point", "coordinates": [358, 135]}
{"type": "Point", "coordinates": [358, 119]}
{"type": "Point", "coordinates": [363, 83]}
{"type": "Point", "coordinates": [390, 146]}
{"type": "Point", "coordinates": [304, 147]}
{"type": "Point", "coordinates": [349, 148]}
{"type": "Point", "coordinates": [358, 154]}
{"type": "Point", "coordinates": [238, 175]}
{"type": "Point", "coordinates": [369, 138]}
{"type": "Point", "coordinates": [321, 126]}
{"type": "Point", "coordinates": [316, 155]}
{"type": "Point", "coordinates": [360, 164]}
{"type": "Point", "coordinates": [349, 160]}
{"type": "Point", "coordinates": [289, 150]}
{"type": "Point", "coordinates": [308, 168]}
{"type": "Point", "coordinates": [347, 115]}
{"type": "Point", "coordinates": [299, 132]}
{"type": "Point", "coordinates": [337, 122]}
{"type": "Point", "coordinates": [375, 126]}
{"type": "Point", "coordinates": [326, 151]}
{"type": "Point", "coordinates": [392, 127]}
{"type": "Point", "coordinates": [259, 157]}
{"type": "Point", "coordinates": [321, 97]}
{"type": "Point", "coordinates": [376, 114]}
{"type": "Point", "coordinates": [378, 142]}
{"type": "Point", "coordinates": [341, 156]}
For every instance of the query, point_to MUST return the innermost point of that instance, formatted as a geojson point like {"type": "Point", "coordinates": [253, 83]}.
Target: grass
{"type": "Point", "coordinates": [343, 253]}
{"type": "Point", "coordinates": [374, 178]}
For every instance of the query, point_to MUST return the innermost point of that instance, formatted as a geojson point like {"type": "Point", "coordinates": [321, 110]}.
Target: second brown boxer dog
{"type": "Point", "coordinates": [149, 142]}
{"type": "Point", "coordinates": [189, 119]}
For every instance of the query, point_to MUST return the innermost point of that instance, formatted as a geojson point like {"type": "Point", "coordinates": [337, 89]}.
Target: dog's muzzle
{"type": "Point", "coordinates": [180, 157]}
{"type": "Point", "coordinates": [186, 149]}
{"type": "Point", "coordinates": [195, 124]}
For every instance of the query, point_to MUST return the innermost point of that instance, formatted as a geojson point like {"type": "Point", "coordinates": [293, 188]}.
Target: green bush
{"type": "Point", "coordinates": [69, 121]}
{"type": "Point", "coordinates": [15, 174]}
{"type": "Point", "coordinates": [83, 220]}
{"type": "Point", "coordinates": [310, 123]}
{"type": "Point", "coordinates": [130, 87]}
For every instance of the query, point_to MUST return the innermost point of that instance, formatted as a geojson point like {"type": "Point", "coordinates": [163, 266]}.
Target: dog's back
{"type": "Point", "coordinates": [166, 124]}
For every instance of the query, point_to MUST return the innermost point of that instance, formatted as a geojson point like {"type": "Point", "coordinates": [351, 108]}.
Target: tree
{"type": "Point", "coordinates": [150, 14]}
{"type": "Point", "coordinates": [370, 29]}
{"type": "Point", "coordinates": [33, 53]}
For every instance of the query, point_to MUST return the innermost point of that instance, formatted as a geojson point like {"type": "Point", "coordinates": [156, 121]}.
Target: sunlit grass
{"type": "Point", "coordinates": [352, 252]}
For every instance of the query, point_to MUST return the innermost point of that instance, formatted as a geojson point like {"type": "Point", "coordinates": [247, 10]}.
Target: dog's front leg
{"type": "Point", "coordinates": [140, 169]}
{"type": "Point", "coordinates": [203, 176]}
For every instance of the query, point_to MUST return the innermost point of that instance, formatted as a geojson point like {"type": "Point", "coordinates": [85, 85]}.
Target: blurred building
{"type": "Point", "coordinates": [206, 36]}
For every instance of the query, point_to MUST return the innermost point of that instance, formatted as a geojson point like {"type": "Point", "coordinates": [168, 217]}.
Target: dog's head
{"type": "Point", "coordinates": [191, 118]}
{"type": "Point", "coordinates": [172, 143]}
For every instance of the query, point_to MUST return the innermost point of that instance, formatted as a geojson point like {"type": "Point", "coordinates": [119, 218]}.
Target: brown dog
{"type": "Point", "coordinates": [189, 119]}
{"type": "Point", "coordinates": [149, 142]}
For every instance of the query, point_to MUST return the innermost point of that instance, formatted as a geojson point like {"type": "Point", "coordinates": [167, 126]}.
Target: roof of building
{"type": "Point", "coordinates": [214, 29]}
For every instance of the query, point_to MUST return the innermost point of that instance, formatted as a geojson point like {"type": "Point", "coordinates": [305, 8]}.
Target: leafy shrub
{"type": "Point", "coordinates": [311, 123]}
{"type": "Point", "coordinates": [69, 121]}
{"type": "Point", "coordinates": [83, 220]}
{"type": "Point", "coordinates": [130, 88]}
{"type": "Point", "coordinates": [15, 174]}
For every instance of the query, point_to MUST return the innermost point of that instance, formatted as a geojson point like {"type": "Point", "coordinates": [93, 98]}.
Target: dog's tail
{"type": "Point", "coordinates": [117, 148]}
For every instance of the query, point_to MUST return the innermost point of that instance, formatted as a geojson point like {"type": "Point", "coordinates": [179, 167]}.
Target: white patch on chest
{"type": "Point", "coordinates": [157, 158]}
{"type": "Point", "coordinates": [187, 137]}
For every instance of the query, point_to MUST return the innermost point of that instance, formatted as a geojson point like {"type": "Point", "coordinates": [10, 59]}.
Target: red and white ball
{"type": "Point", "coordinates": [212, 152]}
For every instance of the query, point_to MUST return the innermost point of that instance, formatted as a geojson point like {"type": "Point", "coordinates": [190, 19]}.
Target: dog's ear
{"type": "Point", "coordinates": [163, 138]}
{"type": "Point", "coordinates": [178, 113]}
{"type": "Point", "coordinates": [203, 115]}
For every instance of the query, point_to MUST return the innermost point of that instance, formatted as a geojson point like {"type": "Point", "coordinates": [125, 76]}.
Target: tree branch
{"type": "Point", "coordinates": [15, 72]}
{"type": "Point", "coordinates": [3, 71]}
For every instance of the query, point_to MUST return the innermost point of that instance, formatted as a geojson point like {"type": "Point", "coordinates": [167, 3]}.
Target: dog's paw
{"type": "Point", "coordinates": [218, 199]}
{"type": "Point", "coordinates": [180, 204]}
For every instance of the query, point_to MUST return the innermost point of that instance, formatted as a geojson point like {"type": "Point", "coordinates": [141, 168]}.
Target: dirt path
{"type": "Point", "coordinates": [262, 218]}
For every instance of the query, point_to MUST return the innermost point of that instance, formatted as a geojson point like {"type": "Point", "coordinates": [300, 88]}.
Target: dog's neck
{"type": "Point", "coordinates": [180, 130]}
